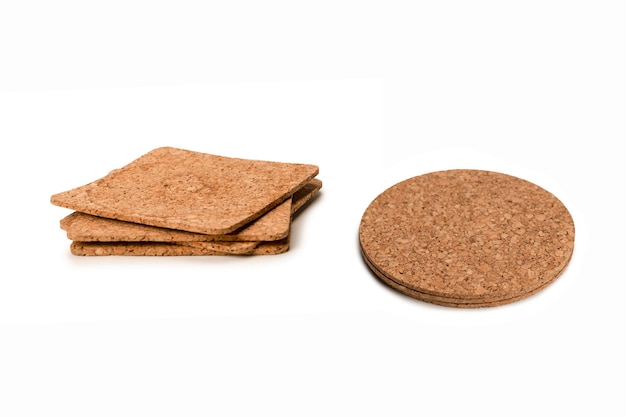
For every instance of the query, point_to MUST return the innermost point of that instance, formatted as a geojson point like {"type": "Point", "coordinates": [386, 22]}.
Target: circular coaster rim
{"type": "Point", "coordinates": [460, 300]}
{"type": "Point", "coordinates": [454, 302]}
{"type": "Point", "coordinates": [447, 296]}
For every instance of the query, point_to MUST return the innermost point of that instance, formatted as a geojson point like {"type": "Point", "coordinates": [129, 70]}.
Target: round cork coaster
{"type": "Point", "coordinates": [467, 238]}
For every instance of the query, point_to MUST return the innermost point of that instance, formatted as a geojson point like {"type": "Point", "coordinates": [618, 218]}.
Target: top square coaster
{"type": "Point", "coordinates": [187, 190]}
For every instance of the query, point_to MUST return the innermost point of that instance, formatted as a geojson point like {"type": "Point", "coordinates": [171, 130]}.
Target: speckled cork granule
{"type": "Point", "coordinates": [467, 238]}
{"type": "Point", "coordinates": [190, 191]}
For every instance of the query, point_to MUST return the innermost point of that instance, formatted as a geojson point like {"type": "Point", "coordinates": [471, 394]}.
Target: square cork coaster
{"type": "Point", "coordinates": [191, 191]}
{"type": "Point", "coordinates": [274, 225]}
{"type": "Point", "coordinates": [190, 247]}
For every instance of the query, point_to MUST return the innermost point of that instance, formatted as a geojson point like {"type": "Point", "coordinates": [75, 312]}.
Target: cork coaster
{"type": "Point", "coordinates": [168, 249]}
{"type": "Point", "coordinates": [467, 238]}
{"type": "Point", "coordinates": [192, 191]}
{"type": "Point", "coordinates": [274, 225]}
{"type": "Point", "coordinates": [301, 199]}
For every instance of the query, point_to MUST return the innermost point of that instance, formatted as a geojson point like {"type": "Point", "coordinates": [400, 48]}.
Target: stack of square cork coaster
{"type": "Point", "coordinates": [173, 201]}
{"type": "Point", "coordinates": [467, 238]}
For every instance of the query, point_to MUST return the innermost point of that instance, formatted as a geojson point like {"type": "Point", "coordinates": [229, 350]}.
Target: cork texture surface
{"type": "Point", "coordinates": [451, 301]}
{"type": "Point", "coordinates": [235, 248]}
{"type": "Point", "coordinates": [463, 237]}
{"type": "Point", "coordinates": [191, 191]}
{"type": "Point", "coordinates": [274, 225]}
{"type": "Point", "coordinates": [168, 249]}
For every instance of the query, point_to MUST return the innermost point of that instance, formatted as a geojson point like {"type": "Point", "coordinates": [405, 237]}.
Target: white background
{"type": "Point", "coordinates": [373, 93]}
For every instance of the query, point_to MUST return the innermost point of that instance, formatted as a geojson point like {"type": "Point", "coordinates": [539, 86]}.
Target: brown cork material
{"type": "Point", "coordinates": [191, 191]}
{"type": "Point", "coordinates": [274, 225]}
{"type": "Point", "coordinates": [168, 249]}
{"type": "Point", "coordinates": [448, 301]}
{"type": "Point", "coordinates": [467, 238]}
{"type": "Point", "coordinates": [235, 248]}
